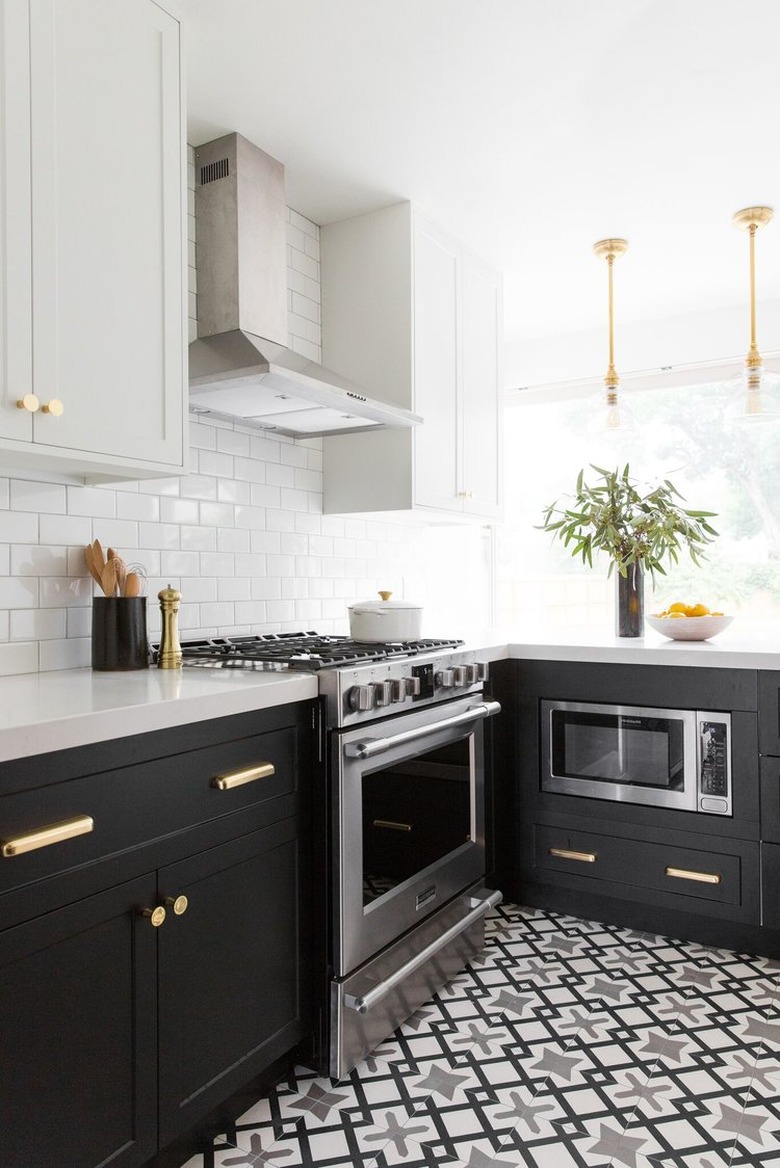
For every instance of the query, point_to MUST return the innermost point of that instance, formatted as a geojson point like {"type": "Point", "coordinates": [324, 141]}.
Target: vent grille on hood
{"type": "Point", "coordinates": [240, 365]}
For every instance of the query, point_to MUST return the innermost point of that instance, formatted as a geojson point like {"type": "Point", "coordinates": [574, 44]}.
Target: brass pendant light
{"type": "Point", "coordinates": [611, 415]}
{"type": "Point", "coordinates": [755, 393]}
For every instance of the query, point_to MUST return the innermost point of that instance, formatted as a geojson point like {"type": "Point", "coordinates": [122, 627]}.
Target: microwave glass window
{"type": "Point", "coordinates": [618, 748]}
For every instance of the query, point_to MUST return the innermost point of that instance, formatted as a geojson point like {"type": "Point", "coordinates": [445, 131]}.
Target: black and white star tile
{"type": "Point", "coordinates": [565, 1044]}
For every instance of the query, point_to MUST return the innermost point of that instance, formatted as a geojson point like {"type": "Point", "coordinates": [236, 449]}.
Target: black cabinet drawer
{"type": "Point", "coordinates": [138, 804]}
{"type": "Point", "coordinates": [770, 886]}
{"type": "Point", "coordinates": [653, 872]}
{"type": "Point", "coordinates": [769, 712]}
{"type": "Point", "coordinates": [770, 799]}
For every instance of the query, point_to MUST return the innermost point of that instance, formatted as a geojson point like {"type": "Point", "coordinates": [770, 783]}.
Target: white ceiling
{"type": "Point", "coordinates": [529, 130]}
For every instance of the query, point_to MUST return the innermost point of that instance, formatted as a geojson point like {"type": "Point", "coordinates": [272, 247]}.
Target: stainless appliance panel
{"type": "Point", "coordinates": [370, 1003]}
{"type": "Point", "coordinates": [416, 754]}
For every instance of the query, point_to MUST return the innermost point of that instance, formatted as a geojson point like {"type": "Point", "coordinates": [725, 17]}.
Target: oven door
{"type": "Point", "coordinates": [408, 822]}
{"type": "Point", "coordinates": [631, 754]}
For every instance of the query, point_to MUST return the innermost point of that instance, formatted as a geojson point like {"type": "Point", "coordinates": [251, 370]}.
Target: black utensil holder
{"type": "Point", "coordinates": [119, 639]}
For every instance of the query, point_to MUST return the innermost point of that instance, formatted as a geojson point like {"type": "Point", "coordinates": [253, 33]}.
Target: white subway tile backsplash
{"type": "Point", "coordinates": [265, 449]}
{"type": "Point", "coordinates": [31, 496]}
{"type": "Point", "coordinates": [217, 564]}
{"type": "Point", "coordinates": [19, 658]}
{"type": "Point", "coordinates": [234, 588]}
{"type": "Point", "coordinates": [179, 511]}
{"type": "Point", "coordinates": [198, 589]}
{"type": "Point", "coordinates": [233, 442]}
{"type": "Point", "coordinates": [132, 505]}
{"type": "Point", "coordinates": [213, 462]}
{"type": "Point", "coordinates": [198, 539]}
{"type": "Point", "coordinates": [18, 527]}
{"type": "Point", "coordinates": [234, 539]}
{"type": "Point", "coordinates": [280, 476]}
{"type": "Point", "coordinates": [100, 504]}
{"type": "Point", "coordinates": [19, 592]}
{"type": "Point", "coordinates": [65, 591]}
{"type": "Point", "coordinates": [5, 492]}
{"type": "Point", "coordinates": [38, 624]}
{"type": "Point", "coordinates": [32, 560]}
{"type": "Point", "coordinates": [158, 536]}
{"type": "Point", "coordinates": [251, 612]}
{"type": "Point", "coordinates": [179, 564]}
{"type": "Point", "coordinates": [198, 486]}
{"type": "Point", "coordinates": [217, 514]}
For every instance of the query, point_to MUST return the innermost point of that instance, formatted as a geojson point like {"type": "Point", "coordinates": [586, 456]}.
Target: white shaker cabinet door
{"type": "Point", "coordinates": [480, 333]}
{"type": "Point", "coordinates": [436, 369]}
{"type": "Point", "coordinates": [16, 380]}
{"type": "Point", "coordinates": [107, 226]}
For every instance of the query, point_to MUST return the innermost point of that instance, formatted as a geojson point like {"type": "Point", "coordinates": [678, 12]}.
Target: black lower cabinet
{"type": "Point", "coordinates": [149, 974]}
{"type": "Point", "coordinates": [228, 971]}
{"type": "Point", "coordinates": [78, 1017]}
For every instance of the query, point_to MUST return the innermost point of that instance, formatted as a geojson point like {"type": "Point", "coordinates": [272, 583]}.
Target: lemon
{"type": "Point", "coordinates": [678, 607]}
{"type": "Point", "coordinates": [677, 614]}
{"type": "Point", "coordinates": [699, 610]}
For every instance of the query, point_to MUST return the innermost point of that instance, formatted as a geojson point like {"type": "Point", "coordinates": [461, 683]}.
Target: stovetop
{"type": "Point", "coordinates": [309, 651]}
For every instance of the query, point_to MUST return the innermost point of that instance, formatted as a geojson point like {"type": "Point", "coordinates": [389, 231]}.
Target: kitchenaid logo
{"type": "Point", "coordinates": [630, 721]}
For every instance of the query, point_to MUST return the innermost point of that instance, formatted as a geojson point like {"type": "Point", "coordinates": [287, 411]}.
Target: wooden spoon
{"type": "Point", "coordinates": [100, 559]}
{"type": "Point", "coordinates": [132, 584]}
{"type": "Point", "coordinates": [89, 557]}
{"type": "Point", "coordinates": [108, 577]}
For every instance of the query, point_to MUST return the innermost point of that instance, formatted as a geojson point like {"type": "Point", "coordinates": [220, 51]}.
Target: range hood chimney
{"type": "Point", "coordinates": [240, 366]}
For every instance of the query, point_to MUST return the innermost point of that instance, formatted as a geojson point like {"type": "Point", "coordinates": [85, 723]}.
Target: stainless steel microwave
{"type": "Point", "coordinates": [634, 754]}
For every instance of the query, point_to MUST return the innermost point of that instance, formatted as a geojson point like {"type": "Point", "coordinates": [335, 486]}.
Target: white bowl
{"type": "Point", "coordinates": [689, 628]}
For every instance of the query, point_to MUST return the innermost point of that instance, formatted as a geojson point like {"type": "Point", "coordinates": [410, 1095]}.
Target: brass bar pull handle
{"type": "Point", "coordinates": [391, 825]}
{"type": "Point", "coordinates": [251, 774]}
{"type": "Point", "coordinates": [568, 854]}
{"type": "Point", "coordinates": [685, 874]}
{"type": "Point", "coordinates": [44, 837]}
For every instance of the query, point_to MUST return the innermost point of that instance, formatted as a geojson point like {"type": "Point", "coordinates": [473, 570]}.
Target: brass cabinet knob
{"type": "Point", "coordinates": [53, 407]}
{"type": "Point", "coordinates": [155, 915]}
{"type": "Point", "coordinates": [29, 402]}
{"type": "Point", "coordinates": [179, 904]}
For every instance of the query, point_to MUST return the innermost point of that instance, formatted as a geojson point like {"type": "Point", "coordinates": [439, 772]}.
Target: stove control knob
{"type": "Point", "coordinates": [412, 686]}
{"type": "Point", "coordinates": [482, 671]}
{"type": "Point", "coordinates": [399, 689]}
{"type": "Point", "coordinates": [461, 674]}
{"type": "Point", "coordinates": [384, 692]}
{"type": "Point", "coordinates": [362, 697]}
{"type": "Point", "coordinates": [445, 679]}
{"type": "Point", "coordinates": [472, 674]}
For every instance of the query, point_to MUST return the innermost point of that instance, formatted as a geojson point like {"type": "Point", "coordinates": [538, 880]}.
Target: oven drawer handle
{"type": "Point", "coordinates": [478, 906]}
{"type": "Point", "coordinates": [369, 747]}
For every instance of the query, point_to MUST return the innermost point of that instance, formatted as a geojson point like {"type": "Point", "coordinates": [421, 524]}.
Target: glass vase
{"type": "Point", "coordinates": [630, 602]}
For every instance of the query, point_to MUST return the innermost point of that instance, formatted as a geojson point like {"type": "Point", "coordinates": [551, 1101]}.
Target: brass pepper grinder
{"type": "Point", "coordinates": [169, 656]}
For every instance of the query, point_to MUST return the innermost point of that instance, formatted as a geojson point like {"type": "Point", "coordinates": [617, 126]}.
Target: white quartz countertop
{"type": "Point", "coordinates": [732, 649]}
{"type": "Point", "coordinates": [40, 712]}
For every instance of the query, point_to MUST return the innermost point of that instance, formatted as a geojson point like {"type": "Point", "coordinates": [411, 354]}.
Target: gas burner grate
{"type": "Point", "coordinates": [307, 651]}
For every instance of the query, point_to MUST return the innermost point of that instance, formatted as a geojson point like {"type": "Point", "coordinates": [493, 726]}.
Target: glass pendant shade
{"type": "Point", "coordinates": [755, 395]}
{"type": "Point", "coordinates": [754, 398]}
{"type": "Point", "coordinates": [609, 415]}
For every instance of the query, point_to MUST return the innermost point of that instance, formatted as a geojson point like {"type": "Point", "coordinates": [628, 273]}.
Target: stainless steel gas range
{"type": "Point", "coordinates": [403, 738]}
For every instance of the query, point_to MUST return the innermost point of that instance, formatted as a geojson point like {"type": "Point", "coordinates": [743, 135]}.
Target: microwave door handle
{"type": "Point", "coordinates": [370, 747]}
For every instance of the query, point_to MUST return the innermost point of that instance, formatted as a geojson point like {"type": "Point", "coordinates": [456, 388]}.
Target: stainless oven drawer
{"type": "Point", "coordinates": [370, 1003]}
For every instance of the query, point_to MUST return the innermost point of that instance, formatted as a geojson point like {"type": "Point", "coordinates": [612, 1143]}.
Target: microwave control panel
{"type": "Point", "coordinates": [714, 767]}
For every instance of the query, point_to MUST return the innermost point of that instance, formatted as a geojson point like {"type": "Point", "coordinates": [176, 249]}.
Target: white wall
{"type": "Point", "coordinates": [242, 535]}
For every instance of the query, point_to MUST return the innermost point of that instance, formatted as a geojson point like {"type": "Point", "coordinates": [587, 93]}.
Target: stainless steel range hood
{"type": "Point", "coordinates": [241, 366]}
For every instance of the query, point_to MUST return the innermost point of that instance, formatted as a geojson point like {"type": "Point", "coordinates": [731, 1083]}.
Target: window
{"type": "Point", "coordinates": [680, 435]}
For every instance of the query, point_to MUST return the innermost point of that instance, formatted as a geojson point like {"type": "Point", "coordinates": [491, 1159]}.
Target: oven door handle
{"type": "Point", "coordinates": [478, 906]}
{"type": "Point", "coordinates": [369, 747]}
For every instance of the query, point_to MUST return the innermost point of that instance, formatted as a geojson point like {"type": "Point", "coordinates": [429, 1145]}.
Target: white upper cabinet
{"type": "Point", "coordinates": [416, 320]}
{"type": "Point", "coordinates": [92, 238]}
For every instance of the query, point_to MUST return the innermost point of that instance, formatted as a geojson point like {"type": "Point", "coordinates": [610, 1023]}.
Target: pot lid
{"type": "Point", "coordinates": [383, 605]}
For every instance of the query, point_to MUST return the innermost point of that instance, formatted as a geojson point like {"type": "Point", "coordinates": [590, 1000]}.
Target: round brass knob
{"type": "Point", "coordinates": [29, 402]}
{"type": "Point", "coordinates": [179, 904]}
{"type": "Point", "coordinates": [156, 915]}
{"type": "Point", "coordinates": [53, 407]}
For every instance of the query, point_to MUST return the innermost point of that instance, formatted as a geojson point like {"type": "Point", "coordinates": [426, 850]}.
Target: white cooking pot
{"type": "Point", "coordinates": [385, 620]}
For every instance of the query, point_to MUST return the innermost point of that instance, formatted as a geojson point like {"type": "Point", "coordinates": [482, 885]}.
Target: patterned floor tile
{"type": "Point", "coordinates": [564, 1044]}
